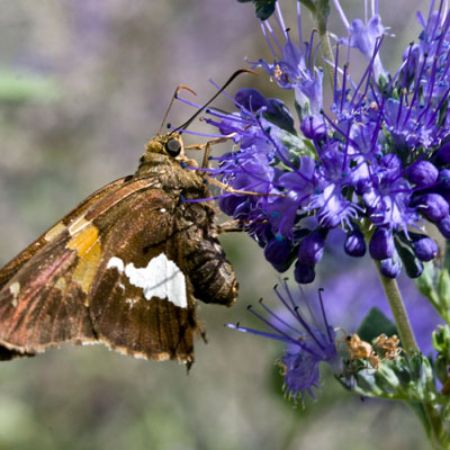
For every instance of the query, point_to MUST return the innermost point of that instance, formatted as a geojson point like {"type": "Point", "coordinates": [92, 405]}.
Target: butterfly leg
{"type": "Point", "coordinates": [230, 226]}
{"type": "Point", "coordinates": [206, 148]}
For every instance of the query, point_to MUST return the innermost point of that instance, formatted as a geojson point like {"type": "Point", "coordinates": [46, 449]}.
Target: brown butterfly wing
{"type": "Point", "coordinates": [64, 292]}
{"type": "Point", "coordinates": [122, 317]}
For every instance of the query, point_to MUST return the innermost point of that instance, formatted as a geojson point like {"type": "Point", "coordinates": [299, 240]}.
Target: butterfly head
{"type": "Point", "coordinates": [163, 150]}
{"type": "Point", "coordinates": [169, 144]}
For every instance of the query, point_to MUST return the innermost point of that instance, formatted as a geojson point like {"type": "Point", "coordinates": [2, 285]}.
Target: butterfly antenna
{"type": "Point", "coordinates": [180, 87]}
{"type": "Point", "coordinates": [224, 86]}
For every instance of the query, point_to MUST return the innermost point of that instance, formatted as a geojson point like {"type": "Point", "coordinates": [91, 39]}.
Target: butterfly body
{"type": "Point", "coordinates": [123, 268]}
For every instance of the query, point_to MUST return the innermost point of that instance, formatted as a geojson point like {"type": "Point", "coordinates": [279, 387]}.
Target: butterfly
{"type": "Point", "coordinates": [124, 267]}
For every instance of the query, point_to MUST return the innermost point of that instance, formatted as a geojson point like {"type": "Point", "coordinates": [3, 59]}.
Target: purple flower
{"type": "Point", "coordinates": [308, 337]}
{"type": "Point", "coordinates": [378, 160]}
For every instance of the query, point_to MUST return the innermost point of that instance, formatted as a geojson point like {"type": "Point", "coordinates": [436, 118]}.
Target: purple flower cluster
{"type": "Point", "coordinates": [376, 164]}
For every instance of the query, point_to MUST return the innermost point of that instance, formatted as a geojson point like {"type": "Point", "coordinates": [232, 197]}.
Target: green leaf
{"type": "Point", "coordinates": [374, 324]}
{"type": "Point", "coordinates": [434, 283]}
{"type": "Point", "coordinates": [413, 266]}
{"type": "Point", "coordinates": [441, 340]}
{"type": "Point", "coordinates": [296, 145]}
{"type": "Point", "coordinates": [264, 8]}
{"type": "Point", "coordinates": [441, 343]}
{"type": "Point", "coordinates": [279, 116]}
{"type": "Point", "coordinates": [443, 289]}
{"type": "Point", "coordinates": [426, 283]}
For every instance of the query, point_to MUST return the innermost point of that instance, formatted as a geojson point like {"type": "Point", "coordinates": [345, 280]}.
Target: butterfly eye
{"type": "Point", "coordinates": [173, 147]}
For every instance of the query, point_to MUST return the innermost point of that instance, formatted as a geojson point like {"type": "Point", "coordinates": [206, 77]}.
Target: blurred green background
{"type": "Point", "coordinates": [83, 85]}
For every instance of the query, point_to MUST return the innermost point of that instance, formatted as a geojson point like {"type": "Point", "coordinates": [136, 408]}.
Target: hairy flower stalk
{"type": "Point", "coordinates": [400, 315]}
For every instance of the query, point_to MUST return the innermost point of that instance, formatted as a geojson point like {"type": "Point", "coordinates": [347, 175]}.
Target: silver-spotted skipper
{"type": "Point", "coordinates": [124, 267]}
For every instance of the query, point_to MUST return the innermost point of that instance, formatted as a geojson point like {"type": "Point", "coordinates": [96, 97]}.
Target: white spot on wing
{"type": "Point", "coordinates": [15, 290]}
{"type": "Point", "coordinates": [161, 278]}
{"type": "Point", "coordinates": [116, 263]}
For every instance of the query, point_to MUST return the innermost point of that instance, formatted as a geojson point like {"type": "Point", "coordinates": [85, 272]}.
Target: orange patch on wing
{"type": "Point", "coordinates": [87, 245]}
{"type": "Point", "coordinates": [83, 241]}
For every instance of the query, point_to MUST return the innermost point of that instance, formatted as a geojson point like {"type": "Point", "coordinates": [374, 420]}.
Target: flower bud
{"type": "Point", "coordinates": [423, 174]}
{"type": "Point", "coordinates": [311, 247]}
{"type": "Point", "coordinates": [444, 227]}
{"type": "Point", "coordinates": [434, 207]}
{"type": "Point", "coordinates": [390, 267]}
{"type": "Point", "coordinates": [251, 99]}
{"type": "Point", "coordinates": [313, 127]}
{"type": "Point", "coordinates": [355, 244]}
{"type": "Point", "coordinates": [278, 253]}
{"type": "Point", "coordinates": [381, 244]}
{"type": "Point", "coordinates": [303, 273]}
{"type": "Point", "coordinates": [425, 248]}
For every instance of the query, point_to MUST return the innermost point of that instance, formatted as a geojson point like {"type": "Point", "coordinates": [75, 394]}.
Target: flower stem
{"type": "Point", "coordinates": [430, 419]}
{"type": "Point", "coordinates": [398, 309]}
{"type": "Point", "coordinates": [327, 57]}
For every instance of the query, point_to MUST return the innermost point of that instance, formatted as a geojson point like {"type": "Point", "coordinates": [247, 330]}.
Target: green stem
{"type": "Point", "coordinates": [397, 305]}
{"type": "Point", "coordinates": [327, 57]}
{"type": "Point", "coordinates": [431, 420]}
